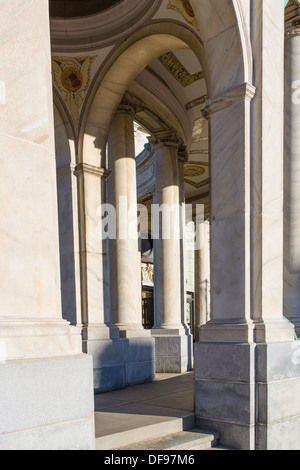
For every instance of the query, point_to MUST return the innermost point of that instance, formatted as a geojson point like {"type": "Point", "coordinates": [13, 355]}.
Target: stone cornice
{"type": "Point", "coordinates": [65, 170]}
{"type": "Point", "coordinates": [243, 92]}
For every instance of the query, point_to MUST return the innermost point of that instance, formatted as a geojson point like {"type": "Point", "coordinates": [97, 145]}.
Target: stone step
{"type": "Point", "coordinates": [132, 433]}
{"type": "Point", "coordinates": [193, 439]}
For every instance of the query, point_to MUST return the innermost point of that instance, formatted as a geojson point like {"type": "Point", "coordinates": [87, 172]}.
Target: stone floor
{"type": "Point", "coordinates": [145, 411]}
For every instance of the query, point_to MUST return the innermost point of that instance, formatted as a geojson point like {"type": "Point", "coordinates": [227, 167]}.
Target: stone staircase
{"type": "Point", "coordinates": [193, 439]}
{"type": "Point", "coordinates": [156, 416]}
{"type": "Point", "coordinates": [169, 435]}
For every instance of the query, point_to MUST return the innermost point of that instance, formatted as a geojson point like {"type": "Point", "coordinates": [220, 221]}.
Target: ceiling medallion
{"type": "Point", "coordinates": [193, 171]}
{"type": "Point", "coordinates": [185, 9]}
{"type": "Point", "coordinates": [71, 76]}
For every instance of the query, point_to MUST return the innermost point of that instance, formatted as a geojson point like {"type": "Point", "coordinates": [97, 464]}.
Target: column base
{"type": "Point", "coordinates": [173, 350]}
{"type": "Point", "coordinates": [247, 393]}
{"type": "Point", "coordinates": [48, 404]}
{"type": "Point", "coordinates": [35, 338]}
{"type": "Point", "coordinates": [277, 330]}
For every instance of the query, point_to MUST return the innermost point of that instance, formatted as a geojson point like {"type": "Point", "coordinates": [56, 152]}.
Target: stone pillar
{"type": "Point", "coordinates": [46, 378]}
{"type": "Point", "coordinates": [292, 167]}
{"type": "Point", "coordinates": [173, 340]}
{"type": "Point", "coordinates": [202, 279]}
{"type": "Point", "coordinates": [125, 259]}
{"type": "Point", "coordinates": [126, 299]}
{"type": "Point", "coordinates": [246, 361]}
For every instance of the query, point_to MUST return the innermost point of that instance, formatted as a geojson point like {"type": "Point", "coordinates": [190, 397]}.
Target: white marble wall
{"type": "Point", "coordinates": [30, 280]}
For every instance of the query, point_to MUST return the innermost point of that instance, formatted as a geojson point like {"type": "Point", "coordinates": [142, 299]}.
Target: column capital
{"type": "Point", "coordinates": [243, 92]}
{"type": "Point", "coordinates": [126, 106]}
{"type": "Point", "coordinates": [292, 19]}
{"type": "Point", "coordinates": [182, 154]}
{"type": "Point", "coordinates": [167, 138]}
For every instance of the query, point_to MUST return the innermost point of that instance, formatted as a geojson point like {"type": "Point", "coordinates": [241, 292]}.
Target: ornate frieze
{"type": "Point", "coordinates": [175, 67]}
{"type": "Point", "coordinates": [147, 274]}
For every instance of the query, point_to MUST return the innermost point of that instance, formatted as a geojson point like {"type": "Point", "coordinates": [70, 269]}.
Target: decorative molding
{"type": "Point", "coordinates": [71, 76]}
{"type": "Point", "coordinates": [199, 185]}
{"type": "Point", "coordinates": [168, 138]}
{"type": "Point", "coordinates": [126, 106]}
{"type": "Point", "coordinates": [185, 9]}
{"type": "Point", "coordinates": [195, 169]}
{"type": "Point", "coordinates": [192, 171]}
{"type": "Point", "coordinates": [196, 102]}
{"type": "Point", "coordinates": [93, 170]}
{"type": "Point", "coordinates": [243, 92]}
{"type": "Point", "coordinates": [178, 71]}
{"type": "Point", "coordinates": [65, 170]}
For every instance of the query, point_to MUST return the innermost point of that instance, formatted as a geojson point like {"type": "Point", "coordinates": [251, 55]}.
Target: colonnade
{"type": "Point", "coordinates": [246, 359]}
{"type": "Point", "coordinates": [125, 261]}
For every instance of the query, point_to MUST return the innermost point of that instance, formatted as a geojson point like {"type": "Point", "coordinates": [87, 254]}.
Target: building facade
{"type": "Point", "coordinates": [109, 109]}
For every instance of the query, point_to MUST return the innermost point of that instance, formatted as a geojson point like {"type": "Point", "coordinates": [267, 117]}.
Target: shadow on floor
{"type": "Point", "coordinates": [167, 398]}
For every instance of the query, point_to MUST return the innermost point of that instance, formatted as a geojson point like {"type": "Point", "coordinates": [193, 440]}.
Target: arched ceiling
{"type": "Point", "coordinates": [177, 78]}
{"type": "Point", "coordinates": [79, 8]}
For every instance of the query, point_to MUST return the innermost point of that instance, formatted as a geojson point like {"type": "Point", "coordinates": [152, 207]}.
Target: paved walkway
{"type": "Point", "coordinates": [165, 405]}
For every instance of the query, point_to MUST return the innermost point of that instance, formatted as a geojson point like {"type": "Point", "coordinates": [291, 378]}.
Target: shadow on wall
{"type": "Point", "coordinates": [67, 248]}
{"type": "Point", "coordinates": [122, 362]}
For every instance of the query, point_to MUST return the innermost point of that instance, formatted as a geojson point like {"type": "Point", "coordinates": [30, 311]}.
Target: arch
{"type": "Point", "coordinates": [120, 70]}
{"type": "Point", "coordinates": [222, 51]}
{"type": "Point", "coordinates": [226, 41]}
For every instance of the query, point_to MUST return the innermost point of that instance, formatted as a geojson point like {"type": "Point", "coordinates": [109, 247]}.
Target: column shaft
{"type": "Point", "coordinates": [124, 253]}
{"type": "Point", "coordinates": [167, 246]}
{"type": "Point", "coordinates": [173, 342]}
{"type": "Point", "coordinates": [202, 280]}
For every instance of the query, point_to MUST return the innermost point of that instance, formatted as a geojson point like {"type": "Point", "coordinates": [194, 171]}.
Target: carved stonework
{"type": "Point", "coordinates": [147, 274]}
{"type": "Point", "coordinates": [185, 9]}
{"type": "Point", "coordinates": [194, 170]}
{"type": "Point", "coordinates": [71, 76]}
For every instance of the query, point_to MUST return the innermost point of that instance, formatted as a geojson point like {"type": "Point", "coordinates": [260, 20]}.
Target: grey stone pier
{"type": "Point", "coordinates": [247, 362]}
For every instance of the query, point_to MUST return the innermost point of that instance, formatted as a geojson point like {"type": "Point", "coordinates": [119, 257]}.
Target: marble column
{"type": "Point", "coordinates": [291, 293]}
{"type": "Point", "coordinates": [246, 360]}
{"type": "Point", "coordinates": [173, 339]}
{"type": "Point", "coordinates": [125, 259]}
{"type": "Point", "coordinates": [202, 279]}
{"type": "Point", "coordinates": [46, 406]}
{"type": "Point", "coordinates": [124, 251]}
